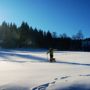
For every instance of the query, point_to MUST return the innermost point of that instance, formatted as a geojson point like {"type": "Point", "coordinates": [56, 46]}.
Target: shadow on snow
{"type": "Point", "coordinates": [73, 63]}
{"type": "Point", "coordinates": [5, 54]}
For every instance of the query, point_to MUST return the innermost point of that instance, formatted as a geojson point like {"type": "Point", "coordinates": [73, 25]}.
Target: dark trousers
{"type": "Point", "coordinates": [51, 57]}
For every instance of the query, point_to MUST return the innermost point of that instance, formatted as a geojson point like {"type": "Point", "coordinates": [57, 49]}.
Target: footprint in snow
{"type": "Point", "coordinates": [85, 75]}
{"type": "Point", "coordinates": [41, 87]}
{"type": "Point", "coordinates": [53, 82]}
{"type": "Point", "coordinates": [64, 77]}
{"type": "Point", "coordinates": [56, 79]}
{"type": "Point", "coordinates": [44, 86]}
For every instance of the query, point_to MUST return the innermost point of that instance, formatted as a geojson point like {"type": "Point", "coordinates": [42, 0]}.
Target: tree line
{"type": "Point", "coordinates": [25, 36]}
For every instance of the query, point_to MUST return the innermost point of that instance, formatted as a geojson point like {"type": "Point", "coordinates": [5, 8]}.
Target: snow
{"type": "Point", "coordinates": [31, 70]}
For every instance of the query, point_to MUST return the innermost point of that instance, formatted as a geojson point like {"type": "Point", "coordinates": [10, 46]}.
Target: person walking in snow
{"type": "Point", "coordinates": [50, 52]}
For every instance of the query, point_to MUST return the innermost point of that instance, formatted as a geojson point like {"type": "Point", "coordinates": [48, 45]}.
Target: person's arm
{"type": "Point", "coordinates": [48, 51]}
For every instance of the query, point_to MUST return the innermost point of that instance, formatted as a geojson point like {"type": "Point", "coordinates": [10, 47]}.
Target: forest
{"type": "Point", "coordinates": [25, 36]}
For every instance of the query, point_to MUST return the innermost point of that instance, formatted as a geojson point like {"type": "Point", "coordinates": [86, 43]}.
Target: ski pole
{"type": "Point", "coordinates": [47, 56]}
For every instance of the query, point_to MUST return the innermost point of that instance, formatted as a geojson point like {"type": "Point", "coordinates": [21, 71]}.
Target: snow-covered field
{"type": "Point", "coordinates": [31, 70]}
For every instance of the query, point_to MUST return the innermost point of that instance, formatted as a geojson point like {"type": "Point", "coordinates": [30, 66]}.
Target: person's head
{"type": "Point", "coordinates": [50, 48]}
